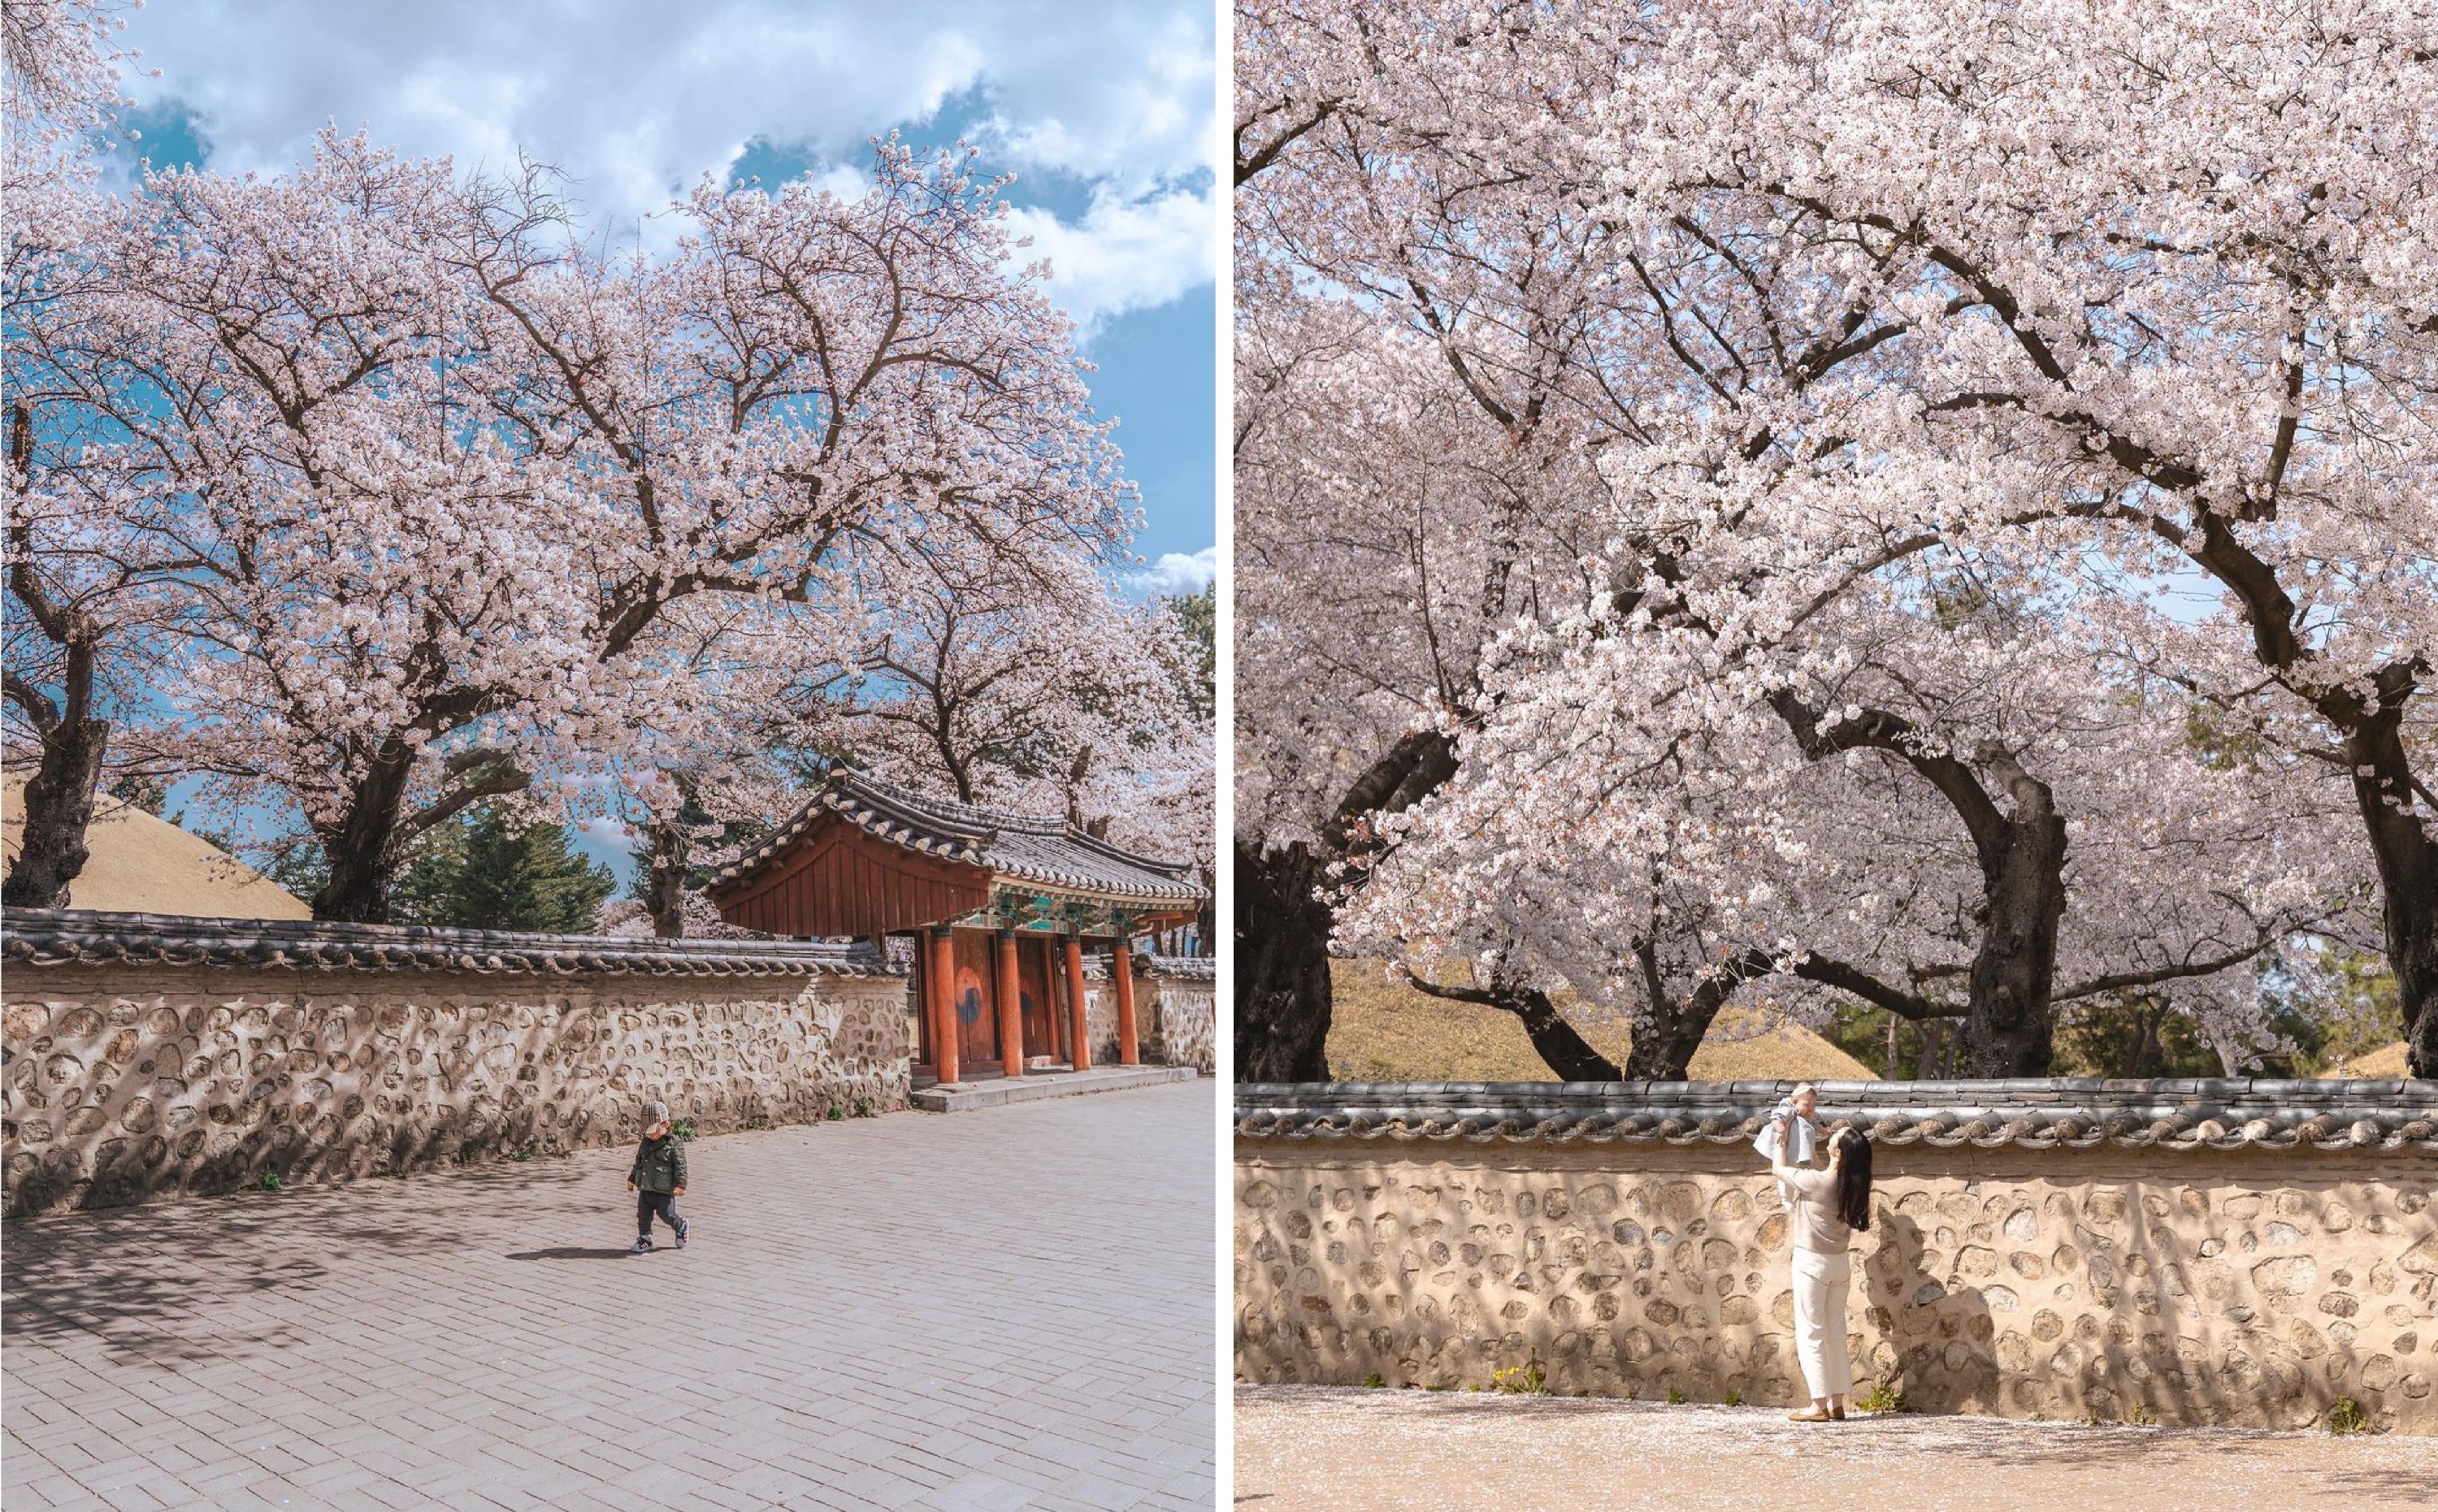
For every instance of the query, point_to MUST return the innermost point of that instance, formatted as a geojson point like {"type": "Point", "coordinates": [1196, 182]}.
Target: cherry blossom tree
{"type": "Point", "coordinates": [1050, 691]}
{"type": "Point", "coordinates": [1374, 227]}
{"type": "Point", "coordinates": [1013, 692]}
{"type": "Point", "coordinates": [2178, 260]}
{"type": "Point", "coordinates": [446, 471]}
{"type": "Point", "coordinates": [1662, 848]}
{"type": "Point", "coordinates": [748, 700]}
{"type": "Point", "coordinates": [1567, 207]}
{"type": "Point", "coordinates": [82, 615]}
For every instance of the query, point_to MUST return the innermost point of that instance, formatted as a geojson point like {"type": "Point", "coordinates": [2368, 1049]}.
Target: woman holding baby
{"type": "Point", "coordinates": [1825, 1207]}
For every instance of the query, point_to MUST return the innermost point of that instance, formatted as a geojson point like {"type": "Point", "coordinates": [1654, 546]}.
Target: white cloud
{"type": "Point", "coordinates": [1176, 572]}
{"type": "Point", "coordinates": [638, 98]}
{"type": "Point", "coordinates": [1124, 255]}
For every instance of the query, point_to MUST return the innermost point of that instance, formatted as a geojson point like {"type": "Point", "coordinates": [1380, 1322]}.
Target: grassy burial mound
{"type": "Point", "coordinates": [141, 864]}
{"type": "Point", "coordinates": [2378, 1066]}
{"type": "Point", "coordinates": [1383, 1030]}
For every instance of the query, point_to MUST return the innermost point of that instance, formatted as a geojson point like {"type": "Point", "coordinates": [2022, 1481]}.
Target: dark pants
{"type": "Point", "coordinates": [646, 1204]}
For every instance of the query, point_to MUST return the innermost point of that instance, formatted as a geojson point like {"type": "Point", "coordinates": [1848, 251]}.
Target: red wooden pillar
{"type": "Point", "coordinates": [944, 1004]}
{"type": "Point", "coordinates": [1079, 1034]}
{"type": "Point", "coordinates": [1011, 1007]}
{"type": "Point", "coordinates": [1122, 968]}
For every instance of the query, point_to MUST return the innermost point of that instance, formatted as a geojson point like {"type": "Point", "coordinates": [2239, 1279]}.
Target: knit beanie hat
{"type": "Point", "coordinates": [655, 1113]}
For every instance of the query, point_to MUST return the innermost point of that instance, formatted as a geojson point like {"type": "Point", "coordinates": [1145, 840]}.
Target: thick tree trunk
{"type": "Point", "coordinates": [358, 849]}
{"type": "Point", "coordinates": [59, 795]}
{"type": "Point", "coordinates": [59, 809]}
{"type": "Point", "coordinates": [2007, 1026]}
{"type": "Point", "coordinates": [2406, 859]}
{"type": "Point", "coordinates": [664, 879]}
{"type": "Point", "coordinates": [2008, 1030]}
{"type": "Point", "coordinates": [1282, 996]}
{"type": "Point", "coordinates": [1665, 1054]}
{"type": "Point", "coordinates": [1283, 928]}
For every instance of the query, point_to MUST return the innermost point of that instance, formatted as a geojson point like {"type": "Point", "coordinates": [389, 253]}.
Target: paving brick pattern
{"type": "Point", "coordinates": [1354, 1450]}
{"type": "Point", "coordinates": [1009, 1308]}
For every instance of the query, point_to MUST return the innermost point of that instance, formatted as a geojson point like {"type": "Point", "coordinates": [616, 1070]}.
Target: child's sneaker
{"type": "Point", "coordinates": [642, 1246]}
{"type": "Point", "coordinates": [682, 1226]}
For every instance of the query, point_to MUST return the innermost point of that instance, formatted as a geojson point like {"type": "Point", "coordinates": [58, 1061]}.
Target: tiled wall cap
{"type": "Point", "coordinates": [86, 936]}
{"type": "Point", "coordinates": [2178, 1114]}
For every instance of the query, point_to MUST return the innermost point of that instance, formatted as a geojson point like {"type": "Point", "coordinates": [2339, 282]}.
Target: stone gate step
{"type": "Point", "coordinates": [1002, 1091]}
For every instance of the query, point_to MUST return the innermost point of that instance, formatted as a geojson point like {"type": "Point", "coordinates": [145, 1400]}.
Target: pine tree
{"type": "Point", "coordinates": [491, 871]}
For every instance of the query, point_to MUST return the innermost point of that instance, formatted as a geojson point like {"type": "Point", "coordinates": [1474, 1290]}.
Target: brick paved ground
{"type": "Point", "coordinates": [1354, 1450]}
{"type": "Point", "coordinates": [996, 1310]}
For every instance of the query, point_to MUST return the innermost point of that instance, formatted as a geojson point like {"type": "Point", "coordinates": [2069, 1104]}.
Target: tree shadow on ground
{"type": "Point", "coordinates": [156, 1282]}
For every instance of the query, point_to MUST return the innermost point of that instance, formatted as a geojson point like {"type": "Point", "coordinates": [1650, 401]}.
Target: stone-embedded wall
{"type": "Point", "coordinates": [222, 1058]}
{"type": "Point", "coordinates": [2250, 1285]}
{"type": "Point", "coordinates": [1181, 1028]}
{"type": "Point", "coordinates": [1175, 1011]}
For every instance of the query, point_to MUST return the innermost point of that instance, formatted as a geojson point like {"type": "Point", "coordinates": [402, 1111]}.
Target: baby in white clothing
{"type": "Point", "coordinates": [1791, 1127]}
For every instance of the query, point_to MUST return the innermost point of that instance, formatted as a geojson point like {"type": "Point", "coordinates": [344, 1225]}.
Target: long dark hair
{"type": "Point", "coordinates": [1853, 1179]}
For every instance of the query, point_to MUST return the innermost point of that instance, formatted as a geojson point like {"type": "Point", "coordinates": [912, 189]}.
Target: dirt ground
{"type": "Point", "coordinates": [1352, 1451]}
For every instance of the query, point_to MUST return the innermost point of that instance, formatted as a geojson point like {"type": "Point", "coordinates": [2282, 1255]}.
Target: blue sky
{"type": "Point", "coordinates": [1104, 113]}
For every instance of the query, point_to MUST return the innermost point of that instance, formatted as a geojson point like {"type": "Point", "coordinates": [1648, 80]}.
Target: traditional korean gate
{"type": "Point", "coordinates": [1040, 1008]}
{"type": "Point", "coordinates": [974, 1005]}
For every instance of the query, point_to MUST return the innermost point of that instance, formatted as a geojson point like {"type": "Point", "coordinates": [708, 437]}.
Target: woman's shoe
{"type": "Point", "coordinates": [1809, 1415]}
{"type": "Point", "coordinates": [1836, 1415]}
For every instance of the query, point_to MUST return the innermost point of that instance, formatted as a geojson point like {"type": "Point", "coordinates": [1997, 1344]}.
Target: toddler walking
{"type": "Point", "coordinates": [658, 1179]}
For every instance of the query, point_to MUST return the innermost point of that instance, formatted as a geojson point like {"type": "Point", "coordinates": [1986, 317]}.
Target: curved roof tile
{"type": "Point", "coordinates": [2185, 1114]}
{"type": "Point", "coordinates": [85, 937]}
{"type": "Point", "coordinates": [1029, 847]}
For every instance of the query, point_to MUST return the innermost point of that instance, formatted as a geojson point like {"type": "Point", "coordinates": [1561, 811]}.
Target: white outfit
{"type": "Point", "coordinates": [1820, 1285]}
{"type": "Point", "coordinates": [1823, 1271]}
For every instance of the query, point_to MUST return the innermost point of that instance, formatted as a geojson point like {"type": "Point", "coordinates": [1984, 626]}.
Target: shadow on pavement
{"type": "Point", "coordinates": [571, 1252]}
{"type": "Point", "coordinates": [131, 1276]}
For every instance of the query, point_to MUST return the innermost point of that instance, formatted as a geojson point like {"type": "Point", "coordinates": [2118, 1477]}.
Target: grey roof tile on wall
{"type": "Point", "coordinates": [86, 936]}
{"type": "Point", "coordinates": [1173, 968]}
{"type": "Point", "coordinates": [1029, 847]}
{"type": "Point", "coordinates": [2190, 1114]}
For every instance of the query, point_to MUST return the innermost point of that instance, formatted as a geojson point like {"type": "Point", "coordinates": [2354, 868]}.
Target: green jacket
{"type": "Point", "coordinates": [660, 1165]}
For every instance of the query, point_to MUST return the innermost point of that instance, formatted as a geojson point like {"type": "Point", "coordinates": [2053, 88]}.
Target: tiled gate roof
{"type": "Point", "coordinates": [1037, 848]}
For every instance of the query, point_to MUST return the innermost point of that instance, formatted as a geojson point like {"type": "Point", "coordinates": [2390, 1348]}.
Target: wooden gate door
{"type": "Point", "coordinates": [1040, 1009]}
{"type": "Point", "coordinates": [977, 1012]}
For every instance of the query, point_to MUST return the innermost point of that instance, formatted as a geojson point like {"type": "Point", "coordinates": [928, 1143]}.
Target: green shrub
{"type": "Point", "coordinates": [1375, 1380]}
{"type": "Point", "coordinates": [1882, 1397]}
{"type": "Point", "coordinates": [2347, 1416]}
{"type": "Point", "coordinates": [1675, 1398]}
{"type": "Point", "coordinates": [268, 1180]}
{"type": "Point", "coordinates": [682, 1131]}
{"type": "Point", "coordinates": [1733, 1399]}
